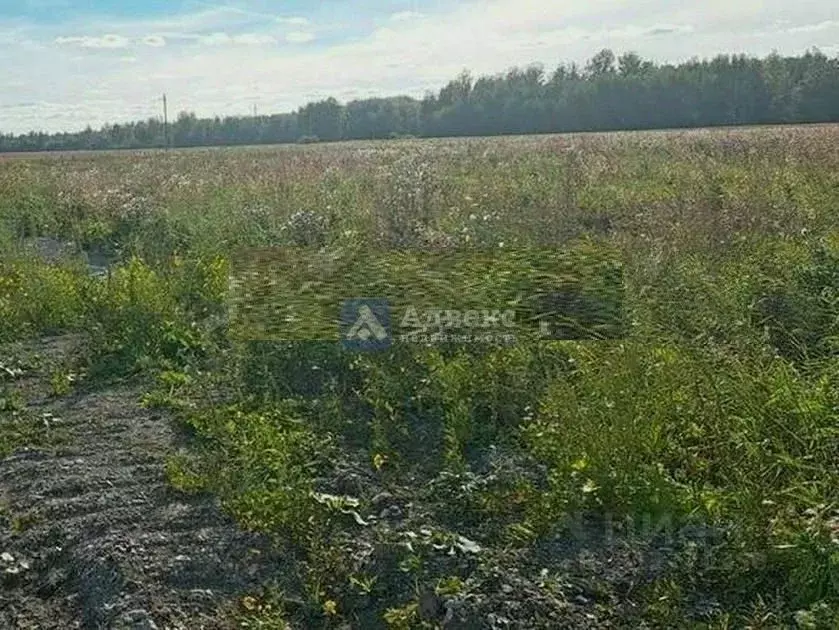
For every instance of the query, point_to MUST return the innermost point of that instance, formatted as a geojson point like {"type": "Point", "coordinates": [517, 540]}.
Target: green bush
{"type": "Point", "coordinates": [40, 299]}
{"type": "Point", "coordinates": [141, 318]}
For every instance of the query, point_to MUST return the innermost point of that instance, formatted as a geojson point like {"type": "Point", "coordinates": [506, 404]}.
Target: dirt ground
{"type": "Point", "coordinates": [91, 534]}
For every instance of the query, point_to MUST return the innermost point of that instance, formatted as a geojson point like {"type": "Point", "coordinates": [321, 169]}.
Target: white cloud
{"type": "Point", "coordinates": [221, 60]}
{"type": "Point", "coordinates": [105, 41]}
{"type": "Point", "coordinates": [405, 16]}
{"type": "Point", "coordinates": [668, 29]}
{"type": "Point", "coordinates": [826, 25]}
{"type": "Point", "coordinates": [631, 32]}
{"type": "Point", "coordinates": [9, 36]}
{"type": "Point", "coordinates": [299, 37]}
{"type": "Point", "coordinates": [216, 39]}
{"type": "Point", "coordinates": [155, 41]}
{"type": "Point", "coordinates": [244, 39]}
{"type": "Point", "coordinates": [254, 39]}
{"type": "Point", "coordinates": [294, 21]}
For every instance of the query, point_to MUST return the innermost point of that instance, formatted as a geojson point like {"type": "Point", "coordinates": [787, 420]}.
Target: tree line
{"type": "Point", "coordinates": [609, 92]}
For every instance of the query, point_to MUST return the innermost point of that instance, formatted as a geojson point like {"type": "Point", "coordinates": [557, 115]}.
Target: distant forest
{"type": "Point", "coordinates": [607, 93]}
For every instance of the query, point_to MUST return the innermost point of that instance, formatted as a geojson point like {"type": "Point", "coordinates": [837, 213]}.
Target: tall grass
{"type": "Point", "coordinates": [717, 405]}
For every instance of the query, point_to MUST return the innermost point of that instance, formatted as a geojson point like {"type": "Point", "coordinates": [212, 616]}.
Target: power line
{"type": "Point", "coordinates": [165, 123]}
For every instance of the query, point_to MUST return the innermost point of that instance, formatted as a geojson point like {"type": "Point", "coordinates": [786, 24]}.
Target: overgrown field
{"type": "Point", "coordinates": [683, 473]}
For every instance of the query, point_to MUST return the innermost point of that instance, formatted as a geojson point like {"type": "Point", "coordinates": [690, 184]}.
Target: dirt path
{"type": "Point", "coordinates": [91, 535]}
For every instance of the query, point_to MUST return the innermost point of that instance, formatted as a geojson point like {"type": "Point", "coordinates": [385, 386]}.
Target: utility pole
{"type": "Point", "coordinates": [165, 123]}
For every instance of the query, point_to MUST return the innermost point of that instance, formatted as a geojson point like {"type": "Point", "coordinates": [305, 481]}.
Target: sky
{"type": "Point", "coordinates": [66, 64]}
